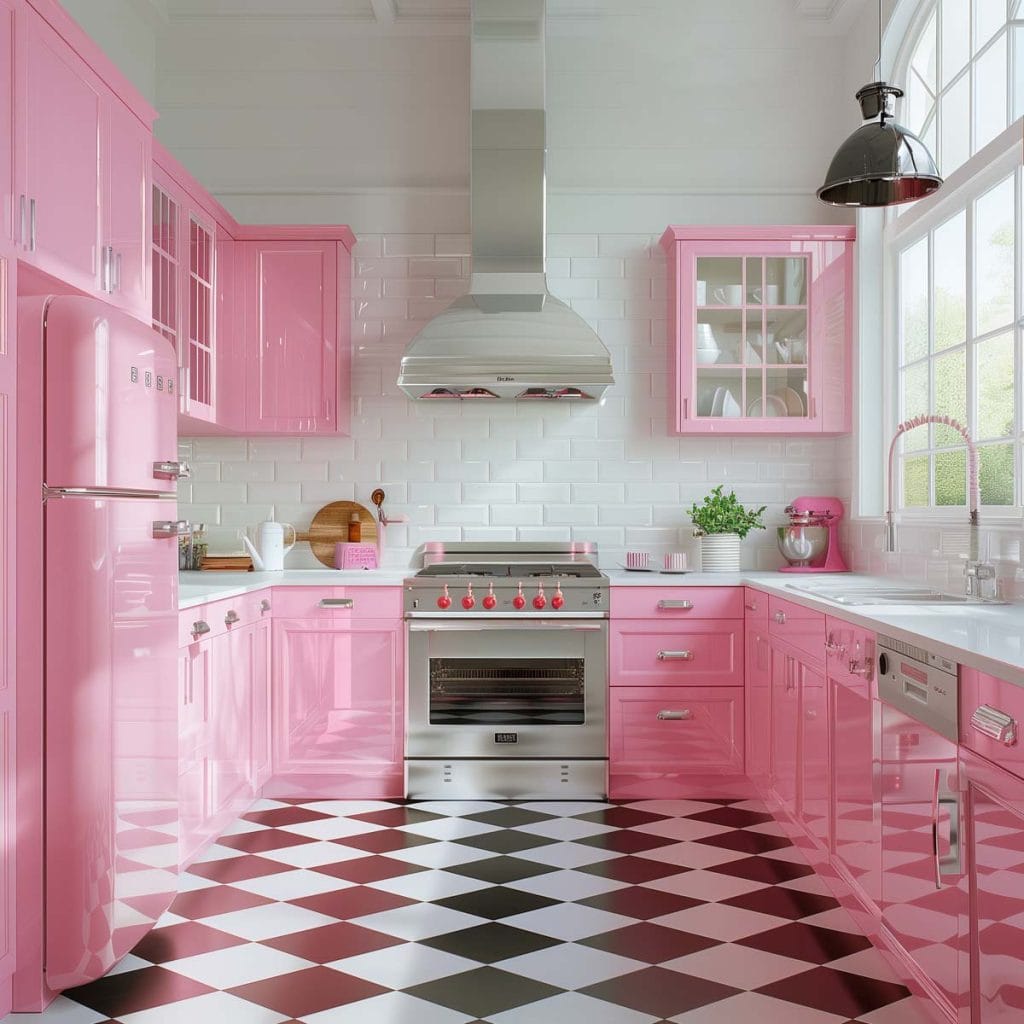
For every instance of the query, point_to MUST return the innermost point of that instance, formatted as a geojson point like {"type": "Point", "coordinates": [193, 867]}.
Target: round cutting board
{"type": "Point", "coordinates": [330, 527]}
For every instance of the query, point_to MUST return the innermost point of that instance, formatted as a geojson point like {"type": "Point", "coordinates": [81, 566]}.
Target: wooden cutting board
{"type": "Point", "coordinates": [330, 527]}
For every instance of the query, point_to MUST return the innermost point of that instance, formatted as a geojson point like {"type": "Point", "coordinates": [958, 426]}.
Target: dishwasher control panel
{"type": "Point", "coordinates": [921, 684]}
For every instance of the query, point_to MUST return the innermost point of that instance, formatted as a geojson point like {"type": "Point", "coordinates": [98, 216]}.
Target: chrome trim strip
{"type": "Point", "coordinates": [105, 492]}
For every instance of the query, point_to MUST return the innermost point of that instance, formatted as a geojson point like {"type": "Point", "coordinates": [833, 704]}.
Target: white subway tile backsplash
{"type": "Point", "coordinates": [609, 473]}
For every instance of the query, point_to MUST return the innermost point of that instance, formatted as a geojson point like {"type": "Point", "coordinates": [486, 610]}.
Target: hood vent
{"type": "Point", "coordinates": [508, 337]}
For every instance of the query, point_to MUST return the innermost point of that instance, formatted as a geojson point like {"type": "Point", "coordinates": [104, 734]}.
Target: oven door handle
{"type": "Point", "coordinates": [474, 626]}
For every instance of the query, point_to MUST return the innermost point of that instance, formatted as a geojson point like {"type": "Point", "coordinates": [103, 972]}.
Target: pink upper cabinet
{"type": "Point", "coordinates": [760, 324]}
{"type": "Point", "coordinates": [125, 252]}
{"type": "Point", "coordinates": [57, 196]}
{"type": "Point", "coordinates": [7, 200]}
{"type": "Point", "coordinates": [293, 344]}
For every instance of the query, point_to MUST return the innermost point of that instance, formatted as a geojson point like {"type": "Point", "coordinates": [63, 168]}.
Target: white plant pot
{"type": "Point", "coordinates": [720, 552]}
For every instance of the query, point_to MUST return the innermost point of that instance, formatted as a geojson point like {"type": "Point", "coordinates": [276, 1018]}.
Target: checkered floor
{"type": "Point", "coordinates": [352, 912]}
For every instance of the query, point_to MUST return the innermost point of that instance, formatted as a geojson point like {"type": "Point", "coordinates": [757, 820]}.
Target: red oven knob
{"type": "Point", "coordinates": [468, 601]}
{"type": "Point", "coordinates": [490, 601]}
{"type": "Point", "coordinates": [519, 602]}
{"type": "Point", "coordinates": [444, 601]}
{"type": "Point", "coordinates": [540, 600]}
{"type": "Point", "coordinates": [558, 600]}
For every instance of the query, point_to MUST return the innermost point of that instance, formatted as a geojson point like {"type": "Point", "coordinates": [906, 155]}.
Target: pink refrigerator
{"type": "Point", "coordinates": [111, 541]}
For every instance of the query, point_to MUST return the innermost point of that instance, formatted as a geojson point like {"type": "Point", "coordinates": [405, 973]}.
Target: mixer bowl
{"type": "Point", "coordinates": [802, 545]}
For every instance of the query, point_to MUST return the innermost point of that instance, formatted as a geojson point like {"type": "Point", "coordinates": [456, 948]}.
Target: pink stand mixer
{"type": "Point", "coordinates": [810, 543]}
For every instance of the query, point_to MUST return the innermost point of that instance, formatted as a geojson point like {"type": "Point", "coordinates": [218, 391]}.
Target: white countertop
{"type": "Point", "coordinates": [201, 587]}
{"type": "Point", "coordinates": [986, 637]}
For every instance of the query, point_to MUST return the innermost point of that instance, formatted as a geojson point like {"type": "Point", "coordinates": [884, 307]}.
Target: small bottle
{"type": "Point", "coordinates": [355, 529]}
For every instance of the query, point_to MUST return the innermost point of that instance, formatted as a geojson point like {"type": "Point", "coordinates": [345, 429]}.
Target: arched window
{"type": "Point", "coordinates": [954, 301]}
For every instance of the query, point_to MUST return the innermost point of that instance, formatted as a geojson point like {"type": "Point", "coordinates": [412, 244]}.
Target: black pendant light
{"type": "Point", "coordinates": [881, 163]}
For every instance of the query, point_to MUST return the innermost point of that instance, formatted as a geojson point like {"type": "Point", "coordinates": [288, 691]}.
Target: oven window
{"type": "Point", "coordinates": [513, 691]}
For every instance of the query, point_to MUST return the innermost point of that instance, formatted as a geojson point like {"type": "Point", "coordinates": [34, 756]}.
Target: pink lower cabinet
{"type": "Point", "coordinates": [260, 638]}
{"type": "Point", "coordinates": [924, 901]}
{"type": "Point", "coordinates": [668, 741]}
{"type": "Point", "coordinates": [813, 812]}
{"type": "Point", "coordinates": [338, 695]}
{"type": "Point", "coordinates": [854, 794]}
{"type": "Point", "coordinates": [758, 697]}
{"type": "Point", "coordinates": [193, 756]}
{"type": "Point", "coordinates": [785, 730]}
{"type": "Point", "coordinates": [230, 743]}
{"type": "Point", "coordinates": [701, 652]}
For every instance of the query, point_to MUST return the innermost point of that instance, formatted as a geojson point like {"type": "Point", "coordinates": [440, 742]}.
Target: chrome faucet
{"type": "Point", "coordinates": [979, 576]}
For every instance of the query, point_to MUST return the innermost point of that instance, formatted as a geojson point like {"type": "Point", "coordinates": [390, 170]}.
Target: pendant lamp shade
{"type": "Point", "coordinates": [881, 163]}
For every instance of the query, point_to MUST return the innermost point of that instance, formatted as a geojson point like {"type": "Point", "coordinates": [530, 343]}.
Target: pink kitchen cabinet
{"type": "Point", "coordinates": [260, 638]}
{"type": "Point", "coordinates": [7, 198]}
{"type": "Point", "coordinates": [295, 330]}
{"type": "Point", "coordinates": [760, 329]}
{"type": "Point", "coordinates": [924, 902]}
{"type": "Point", "coordinates": [758, 694]}
{"type": "Point", "coordinates": [854, 792]}
{"type": "Point", "coordinates": [697, 652]}
{"type": "Point", "coordinates": [785, 730]}
{"type": "Point", "coordinates": [338, 701]}
{"type": "Point", "coordinates": [194, 674]}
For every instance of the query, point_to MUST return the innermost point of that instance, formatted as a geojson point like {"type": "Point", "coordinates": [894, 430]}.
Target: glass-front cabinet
{"type": "Point", "coordinates": [760, 329]}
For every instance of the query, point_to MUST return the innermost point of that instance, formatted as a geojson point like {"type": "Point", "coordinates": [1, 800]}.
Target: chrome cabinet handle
{"type": "Point", "coordinates": [231, 618]}
{"type": "Point", "coordinates": [995, 724]}
{"type": "Point", "coordinates": [790, 674]}
{"type": "Point", "coordinates": [681, 605]}
{"type": "Point", "coordinates": [675, 655]}
{"type": "Point", "coordinates": [200, 628]}
{"type": "Point", "coordinates": [951, 862]}
{"type": "Point", "coordinates": [185, 381]}
{"type": "Point", "coordinates": [171, 528]}
{"type": "Point", "coordinates": [117, 272]}
{"type": "Point", "coordinates": [780, 618]}
{"type": "Point", "coordinates": [861, 667]}
{"type": "Point", "coordinates": [751, 607]}
{"type": "Point", "coordinates": [832, 647]}
{"type": "Point", "coordinates": [107, 273]}
{"type": "Point", "coordinates": [337, 602]}
{"type": "Point", "coordinates": [22, 203]}
{"type": "Point", "coordinates": [264, 606]}
{"type": "Point", "coordinates": [675, 716]}
{"type": "Point", "coordinates": [171, 470]}
{"type": "Point", "coordinates": [31, 225]}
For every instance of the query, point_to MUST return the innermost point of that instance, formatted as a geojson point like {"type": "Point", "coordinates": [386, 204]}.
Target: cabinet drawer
{"type": "Point", "coordinates": [801, 627]}
{"type": "Point", "coordinates": [677, 603]}
{"type": "Point", "coordinates": [672, 730]}
{"type": "Point", "coordinates": [1001, 741]}
{"type": "Point", "coordinates": [755, 606]}
{"type": "Point", "coordinates": [337, 602]}
{"type": "Point", "coordinates": [850, 655]}
{"type": "Point", "coordinates": [696, 653]}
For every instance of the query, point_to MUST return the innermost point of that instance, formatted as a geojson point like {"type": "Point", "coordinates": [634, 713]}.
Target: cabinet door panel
{"type": "Point", "coordinates": [193, 738]}
{"type": "Point", "coordinates": [198, 304]}
{"type": "Point", "coordinates": [995, 801]}
{"type": "Point", "coordinates": [7, 139]}
{"type": "Point", "coordinates": [758, 699]}
{"type": "Point", "coordinates": [813, 753]}
{"type": "Point", "coordinates": [230, 719]}
{"type": "Point", "coordinates": [60, 133]}
{"type": "Point", "coordinates": [785, 729]}
{"type": "Point", "coordinates": [921, 909]}
{"type": "Point", "coordinates": [337, 697]}
{"type": "Point", "coordinates": [698, 653]}
{"type": "Point", "coordinates": [127, 160]}
{"type": "Point", "coordinates": [293, 315]}
{"type": "Point", "coordinates": [260, 770]}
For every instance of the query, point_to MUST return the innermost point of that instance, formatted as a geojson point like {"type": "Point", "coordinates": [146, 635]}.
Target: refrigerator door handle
{"type": "Point", "coordinates": [171, 528]}
{"type": "Point", "coordinates": [102, 493]}
{"type": "Point", "coordinates": [171, 470]}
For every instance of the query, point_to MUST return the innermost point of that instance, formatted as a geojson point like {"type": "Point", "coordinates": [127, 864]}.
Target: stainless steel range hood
{"type": "Point", "coordinates": [508, 337]}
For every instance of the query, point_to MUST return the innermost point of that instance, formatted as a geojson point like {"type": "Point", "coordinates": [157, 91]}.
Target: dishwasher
{"type": "Point", "coordinates": [924, 890]}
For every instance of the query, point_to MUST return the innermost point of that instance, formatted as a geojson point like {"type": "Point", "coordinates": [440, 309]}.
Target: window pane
{"type": "Point", "coordinates": [989, 18]}
{"type": "Point", "coordinates": [915, 482]}
{"type": "Point", "coordinates": [923, 61]}
{"type": "Point", "coordinates": [951, 478]}
{"type": "Point", "coordinates": [993, 230]}
{"type": "Point", "coordinates": [950, 275]}
{"type": "Point", "coordinates": [915, 403]}
{"type": "Point", "coordinates": [995, 475]}
{"type": "Point", "coordinates": [996, 387]}
{"type": "Point", "coordinates": [950, 395]}
{"type": "Point", "coordinates": [914, 301]}
{"type": "Point", "coordinates": [954, 126]}
{"type": "Point", "coordinates": [918, 103]}
{"type": "Point", "coordinates": [956, 37]}
{"type": "Point", "coordinates": [990, 93]}
{"type": "Point", "coordinates": [1018, 79]}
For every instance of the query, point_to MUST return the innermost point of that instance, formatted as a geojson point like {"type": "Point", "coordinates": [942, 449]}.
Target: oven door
{"type": "Point", "coordinates": [500, 688]}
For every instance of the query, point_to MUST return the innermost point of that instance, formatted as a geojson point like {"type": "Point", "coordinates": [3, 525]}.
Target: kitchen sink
{"type": "Point", "coordinates": [861, 595]}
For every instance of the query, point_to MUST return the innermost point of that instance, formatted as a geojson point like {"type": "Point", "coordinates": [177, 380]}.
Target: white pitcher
{"type": "Point", "coordinates": [270, 549]}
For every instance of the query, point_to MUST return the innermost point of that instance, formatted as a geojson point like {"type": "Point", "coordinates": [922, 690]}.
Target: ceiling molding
{"type": "Point", "coordinates": [154, 12]}
{"type": "Point", "coordinates": [828, 17]}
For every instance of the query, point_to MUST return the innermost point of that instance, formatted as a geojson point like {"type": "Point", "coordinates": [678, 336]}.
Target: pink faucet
{"type": "Point", "coordinates": [973, 493]}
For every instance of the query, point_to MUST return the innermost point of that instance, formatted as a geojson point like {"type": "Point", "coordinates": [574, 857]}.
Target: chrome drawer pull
{"type": "Point", "coordinates": [682, 605]}
{"type": "Point", "coordinates": [337, 602]}
{"type": "Point", "coordinates": [675, 655]}
{"type": "Point", "coordinates": [780, 618]}
{"type": "Point", "coordinates": [861, 667]}
{"type": "Point", "coordinates": [996, 724]}
{"type": "Point", "coordinates": [750, 607]}
{"type": "Point", "coordinates": [674, 716]}
{"type": "Point", "coordinates": [200, 628]}
{"type": "Point", "coordinates": [231, 618]}
{"type": "Point", "coordinates": [264, 606]}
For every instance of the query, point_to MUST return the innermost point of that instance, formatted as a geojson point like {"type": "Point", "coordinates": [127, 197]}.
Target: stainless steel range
{"type": "Point", "coordinates": [507, 672]}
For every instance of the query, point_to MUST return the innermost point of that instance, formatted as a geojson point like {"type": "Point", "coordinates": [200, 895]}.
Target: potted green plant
{"type": "Point", "coordinates": [722, 522]}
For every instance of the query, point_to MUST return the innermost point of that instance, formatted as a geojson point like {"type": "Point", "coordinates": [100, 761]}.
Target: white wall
{"type": "Point", "coordinates": [659, 112]}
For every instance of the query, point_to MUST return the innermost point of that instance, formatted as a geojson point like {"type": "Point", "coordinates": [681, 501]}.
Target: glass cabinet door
{"type": "Point", "coordinates": [751, 337]}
